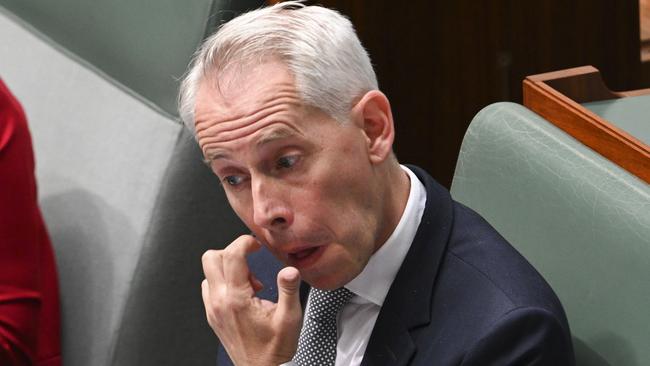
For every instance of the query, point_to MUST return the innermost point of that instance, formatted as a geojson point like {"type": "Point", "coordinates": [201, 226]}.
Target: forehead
{"type": "Point", "coordinates": [245, 105]}
{"type": "Point", "coordinates": [240, 91]}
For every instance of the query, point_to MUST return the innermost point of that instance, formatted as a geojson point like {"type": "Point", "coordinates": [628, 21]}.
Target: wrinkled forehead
{"type": "Point", "coordinates": [245, 103]}
{"type": "Point", "coordinates": [239, 87]}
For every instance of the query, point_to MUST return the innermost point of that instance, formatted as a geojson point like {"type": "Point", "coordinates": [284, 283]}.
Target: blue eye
{"type": "Point", "coordinates": [286, 162]}
{"type": "Point", "coordinates": [233, 180]}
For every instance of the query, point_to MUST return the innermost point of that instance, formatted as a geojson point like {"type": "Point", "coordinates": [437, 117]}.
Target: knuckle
{"type": "Point", "coordinates": [228, 255]}
{"type": "Point", "coordinates": [216, 306]}
{"type": "Point", "coordinates": [208, 256]}
{"type": "Point", "coordinates": [211, 258]}
{"type": "Point", "coordinates": [232, 304]}
{"type": "Point", "coordinates": [226, 303]}
{"type": "Point", "coordinates": [237, 307]}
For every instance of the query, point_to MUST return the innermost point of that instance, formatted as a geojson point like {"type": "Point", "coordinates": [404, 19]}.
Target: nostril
{"type": "Point", "coordinates": [278, 221]}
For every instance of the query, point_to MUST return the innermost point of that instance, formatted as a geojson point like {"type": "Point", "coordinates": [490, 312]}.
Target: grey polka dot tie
{"type": "Point", "coordinates": [317, 342]}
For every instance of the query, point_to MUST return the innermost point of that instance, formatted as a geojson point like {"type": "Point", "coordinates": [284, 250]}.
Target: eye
{"type": "Point", "coordinates": [286, 162]}
{"type": "Point", "coordinates": [233, 180]}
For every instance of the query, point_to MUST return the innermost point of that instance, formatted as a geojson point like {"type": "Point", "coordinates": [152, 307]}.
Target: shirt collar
{"type": "Point", "coordinates": [373, 283]}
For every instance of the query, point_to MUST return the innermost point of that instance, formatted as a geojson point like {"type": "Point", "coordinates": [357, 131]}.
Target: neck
{"type": "Point", "coordinates": [396, 191]}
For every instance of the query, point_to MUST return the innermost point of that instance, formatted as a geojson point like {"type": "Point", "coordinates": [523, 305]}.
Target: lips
{"type": "Point", "coordinates": [303, 253]}
{"type": "Point", "coordinates": [305, 257]}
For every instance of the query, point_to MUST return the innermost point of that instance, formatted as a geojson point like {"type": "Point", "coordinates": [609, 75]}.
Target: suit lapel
{"type": "Point", "coordinates": [408, 303]}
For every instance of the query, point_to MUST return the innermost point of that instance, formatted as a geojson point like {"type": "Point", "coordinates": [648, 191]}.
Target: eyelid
{"type": "Point", "coordinates": [293, 160]}
{"type": "Point", "coordinates": [241, 178]}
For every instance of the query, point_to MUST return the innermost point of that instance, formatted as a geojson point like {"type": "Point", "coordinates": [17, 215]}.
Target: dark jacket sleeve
{"type": "Point", "coordinates": [524, 336]}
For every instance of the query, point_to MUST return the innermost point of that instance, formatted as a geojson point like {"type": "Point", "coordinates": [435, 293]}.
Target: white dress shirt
{"type": "Point", "coordinates": [357, 319]}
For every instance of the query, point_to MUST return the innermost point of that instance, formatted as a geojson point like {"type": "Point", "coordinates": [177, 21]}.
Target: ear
{"type": "Point", "coordinates": [373, 115]}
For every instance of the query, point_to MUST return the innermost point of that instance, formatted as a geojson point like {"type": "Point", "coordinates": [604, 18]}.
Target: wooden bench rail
{"type": "Point", "coordinates": [556, 96]}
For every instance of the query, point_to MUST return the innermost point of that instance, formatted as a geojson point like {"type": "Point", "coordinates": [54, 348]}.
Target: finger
{"type": "Point", "coordinates": [235, 267]}
{"type": "Point", "coordinates": [289, 293]}
{"type": "Point", "coordinates": [212, 262]}
{"type": "Point", "coordinates": [205, 294]}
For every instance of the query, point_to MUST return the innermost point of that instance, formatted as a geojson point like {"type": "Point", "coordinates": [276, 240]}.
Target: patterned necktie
{"type": "Point", "coordinates": [317, 342]}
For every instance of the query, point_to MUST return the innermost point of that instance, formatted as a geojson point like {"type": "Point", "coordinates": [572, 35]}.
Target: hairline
{"type": "Point", "coordinates": [218, 55]}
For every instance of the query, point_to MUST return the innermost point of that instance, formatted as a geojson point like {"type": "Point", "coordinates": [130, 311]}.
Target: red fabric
{"type": "Point", "coordinates": [29, 298]}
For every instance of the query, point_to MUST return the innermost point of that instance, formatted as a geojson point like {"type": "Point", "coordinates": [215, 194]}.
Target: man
{"type": "Point", "coordinates": [285, 107]}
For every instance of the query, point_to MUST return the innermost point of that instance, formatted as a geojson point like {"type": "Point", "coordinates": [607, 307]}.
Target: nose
{"type": "Point", "coordinates": [271, 209]}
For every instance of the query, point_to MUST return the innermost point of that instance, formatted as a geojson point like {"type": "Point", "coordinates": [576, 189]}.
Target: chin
{"type": "Point", "coordinates": [331, 280]}
{"type": "Point", "coordinates": [325, 284]}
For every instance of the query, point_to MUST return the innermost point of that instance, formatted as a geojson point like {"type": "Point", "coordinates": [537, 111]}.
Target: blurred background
{"type": "Point", "coordinates": [440, 62]}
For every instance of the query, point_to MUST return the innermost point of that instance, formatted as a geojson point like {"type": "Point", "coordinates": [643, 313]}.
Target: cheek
{"type": "Point", "coordinates": [343, 208]}
{"type": "Point", "coordinates": [340, 187]}
{"type": "Point", "coordinates": [322, 196]}
{"type": "Point", "coordinates": [242, 207]}
{"type": "Point", "coordinates": [311, 207]}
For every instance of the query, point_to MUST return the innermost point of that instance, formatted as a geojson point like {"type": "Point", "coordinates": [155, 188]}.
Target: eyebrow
{"type": "Point", "coordinates": [274, 134]}
{"type": "Point", "coordinates": [212, 156]}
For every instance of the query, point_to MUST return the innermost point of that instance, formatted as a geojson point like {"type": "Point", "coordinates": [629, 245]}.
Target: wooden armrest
{"type": "Point", "coordinates": [556, 96]}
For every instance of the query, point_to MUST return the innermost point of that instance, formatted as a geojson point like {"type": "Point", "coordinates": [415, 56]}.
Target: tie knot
{"type": "Point", "coordinates": [326, 304]}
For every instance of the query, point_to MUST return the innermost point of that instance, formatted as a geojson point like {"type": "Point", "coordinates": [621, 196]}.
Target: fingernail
{"type": "Point", "coordinates": [292, 276]}
{"type": "Point", "coordinates": [256, 239]}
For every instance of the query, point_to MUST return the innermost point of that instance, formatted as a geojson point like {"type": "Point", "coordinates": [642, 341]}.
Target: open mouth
{"type": "Point", "coordinates": [305, 257]}
{"type": "Point", "coordinates": [303, 253]}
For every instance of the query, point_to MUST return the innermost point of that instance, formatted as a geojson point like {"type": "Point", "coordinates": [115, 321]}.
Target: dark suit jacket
{"type": "Point", "coordinates": [463, 296]}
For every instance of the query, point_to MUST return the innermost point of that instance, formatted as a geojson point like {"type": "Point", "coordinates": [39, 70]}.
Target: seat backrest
{"type": "Point", "coordinates": [128, 203]}
{"type": "Point", "coordinates": [142, 44]}
{"type": "Point", "coordinates": [581, 220]}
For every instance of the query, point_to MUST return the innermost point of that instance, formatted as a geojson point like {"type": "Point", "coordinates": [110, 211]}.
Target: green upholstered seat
{"type": "Point", "coordinates": [631, 114]}
{"type": "Point", "coordinates": [128, 203]}
{"type": "Point", "coordinates": [581, 220]}
{"type": "Point", "coordinates": [145, 45]}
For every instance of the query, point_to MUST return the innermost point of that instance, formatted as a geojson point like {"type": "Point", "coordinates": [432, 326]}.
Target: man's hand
{"type": "Point", "coordinates": [253, 331]}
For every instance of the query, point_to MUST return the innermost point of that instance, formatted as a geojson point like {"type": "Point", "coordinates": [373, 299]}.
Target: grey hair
{"type": "Point", "coordinates": [330, 67]}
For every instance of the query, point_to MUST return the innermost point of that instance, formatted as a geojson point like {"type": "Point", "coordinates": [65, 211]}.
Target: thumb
{"type": "Point", "coordinates": [289, 292]}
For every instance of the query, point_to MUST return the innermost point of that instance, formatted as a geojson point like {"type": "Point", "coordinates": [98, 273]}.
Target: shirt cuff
{"type": "Point", "coordinates": [290, 363]}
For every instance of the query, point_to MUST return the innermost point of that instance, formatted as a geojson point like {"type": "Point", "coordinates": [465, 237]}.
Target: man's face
{"type": "Point", "coordinates": [300, 180]}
